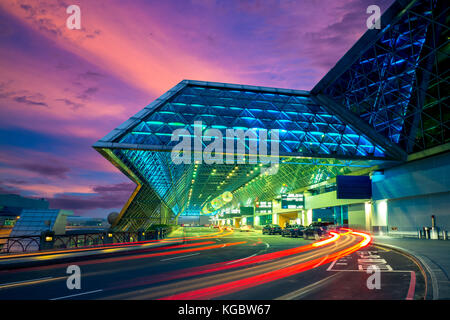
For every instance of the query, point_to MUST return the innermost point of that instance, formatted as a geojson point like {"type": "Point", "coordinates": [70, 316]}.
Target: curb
{"type": "Point", "coordinates": [17, 263]}
{"type": "Point", "coordinates": [426, 266]}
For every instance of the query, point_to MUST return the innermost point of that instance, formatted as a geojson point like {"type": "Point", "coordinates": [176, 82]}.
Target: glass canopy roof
{"type": "Point", "coordinates": [314, 144]}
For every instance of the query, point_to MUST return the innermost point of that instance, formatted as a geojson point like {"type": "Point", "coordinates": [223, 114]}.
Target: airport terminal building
{"type": "Point", "coordinates": [368, 146]}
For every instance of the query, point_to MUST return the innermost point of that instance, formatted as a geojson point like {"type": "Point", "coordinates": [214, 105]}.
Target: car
{"type": "Point", "coordinates": [215, 226]}
{"type": "Point", "coordinates": [316, 230]}
{"type": "Point", "coordinates": [246, 228]}
{"type": "Point", "coordinates": [294, 230]}
{"type": "Point", "coordinates": [271, 229]}
{"type": "Point", "coordinates": [227, 227]}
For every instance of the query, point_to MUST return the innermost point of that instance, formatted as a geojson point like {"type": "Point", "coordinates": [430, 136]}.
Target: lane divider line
{"type": "Point", "coordinates": [241, 259]}
{"type": "Point", "coordinates": [2, 285]}
{"type": "Point", "coordinates": [304, 291]}
{"type": "Point", "coordinates": [187, 255]}
{"type": "Point", "coordinates": [78, 294]}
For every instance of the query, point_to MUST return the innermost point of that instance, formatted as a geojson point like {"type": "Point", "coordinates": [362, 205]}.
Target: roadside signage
{"type": "Point", "coordinates": [292, 201]}
{"type": "Point", "coordinates": [263, 207]}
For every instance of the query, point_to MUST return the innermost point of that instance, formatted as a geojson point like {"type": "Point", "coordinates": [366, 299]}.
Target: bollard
{"type": "Point", "coordinates": [141, 235]}
{"type": "Point", "coordinates": [434, 233]}
{"type": "Point", "coordinates": [444, 235]}
{"type": "Point", "coordinates": [427, 232]}
{"type": "Point", "coordinates": [108, 237]}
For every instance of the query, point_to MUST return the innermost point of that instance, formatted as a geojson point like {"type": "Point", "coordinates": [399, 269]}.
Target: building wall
{"type": "Point", "coordinates": [408, 214]}
{"type": "Point", "coordinates": [357, 216]}
{"type": "Point", "coordinates": [328, 199]}
{"type": "Point", "coordinates": [189, 220]}
{"type": "Point", "coordinates": [411, 193]}
{"type": "Point", "coordinates": [416, 178]}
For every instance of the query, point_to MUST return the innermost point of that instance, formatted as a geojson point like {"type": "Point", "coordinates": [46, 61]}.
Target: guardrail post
{"type": "Point", "coordinates": [108, 237]}
{"type": "Point", "coordinates": [444, 235]}
{"type": "Point", "coordinates": [141, 235]}
{"type": "Point", "coordinates": [47, 240]}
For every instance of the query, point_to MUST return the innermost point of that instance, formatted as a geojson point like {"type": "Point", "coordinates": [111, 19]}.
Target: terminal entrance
{"type": "Point", "coordinates": [288, 218]}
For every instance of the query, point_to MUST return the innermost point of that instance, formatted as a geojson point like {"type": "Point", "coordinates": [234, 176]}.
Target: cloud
{"type": "Point", "coordinates": [44, 165]}
{"type": "Point", "coordinates": [27, 100]}
{"type": "Point", "coordinates": [91, 75]}
{"type": "Point", "coordinates": [73, 105]}
{"type": "Point", "coordinates": [105, 197]}
{"type": "Point", "coordinates": [119, 187]}
{"type": "Point", "coordinates": [86, 94]}
{"type": "Point", "coordinates": [48, 170]}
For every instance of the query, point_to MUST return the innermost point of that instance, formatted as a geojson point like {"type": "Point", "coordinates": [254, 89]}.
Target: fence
{"type": "Point", "coordinates": [48, 240]}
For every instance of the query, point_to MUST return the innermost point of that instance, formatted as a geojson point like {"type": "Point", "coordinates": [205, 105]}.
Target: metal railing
{"type": "Point", "coordinates": [48, 240]}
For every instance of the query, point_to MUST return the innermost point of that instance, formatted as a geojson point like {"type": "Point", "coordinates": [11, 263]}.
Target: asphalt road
{"type": "Point", "coordinates": [230, 265]}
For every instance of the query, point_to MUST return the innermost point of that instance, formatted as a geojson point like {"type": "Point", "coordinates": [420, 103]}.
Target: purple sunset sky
{"type": "Point", "coordinates": [61, 90]}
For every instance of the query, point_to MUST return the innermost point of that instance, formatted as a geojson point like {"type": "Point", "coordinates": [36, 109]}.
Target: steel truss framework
{"type": "Point", "coordinates": [392, 81]}
{"type": "Point", "coordinates": [397, 79]}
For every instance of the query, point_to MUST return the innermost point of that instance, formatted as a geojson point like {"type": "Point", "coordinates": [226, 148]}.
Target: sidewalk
{"type": "Point", "coordinates": [434, 256]}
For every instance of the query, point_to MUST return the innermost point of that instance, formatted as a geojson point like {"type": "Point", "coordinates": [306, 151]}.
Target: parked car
{"type": "Point", "coordinates": [246, 228]}
{"type": "Point", "coordinates": [294, 230]}
{"type": "Point", "coordinates": [318, 229]}
{"type": "Point", "coordinates": [215, 226]}
{"type": "Point", "coordinates": [271, 229]}
{"type": "Point", "coordinates": [228, 227]}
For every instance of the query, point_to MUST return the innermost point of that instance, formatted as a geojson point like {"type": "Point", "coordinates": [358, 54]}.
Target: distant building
{"type": "Point", "coordinates": [34, 221]}
{"type": "Point", "coordinates": [11, 206]}
{"type": "Point", "coordinates": [86, 223]}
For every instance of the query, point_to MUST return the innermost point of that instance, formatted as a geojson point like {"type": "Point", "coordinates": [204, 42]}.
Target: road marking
{"type": "Point", "coordinates": [3, 285]}
{"type": "Point", "coordinates": [241, 259]}
{"type": "Point", "coordinates": [187, 255]}
{"type": "Point", "coordinates": [320, 262]}
{"type": "Point", "coordinates": [267, 245]}
{"type": "Point", "coordinates": [78, 294]}
{"type": "Point", "coordinates": [218, 240]}
{"type": "Point", "coordinates": [332, 265]}
{"type": "Point", "coordinates": [304, 291]}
